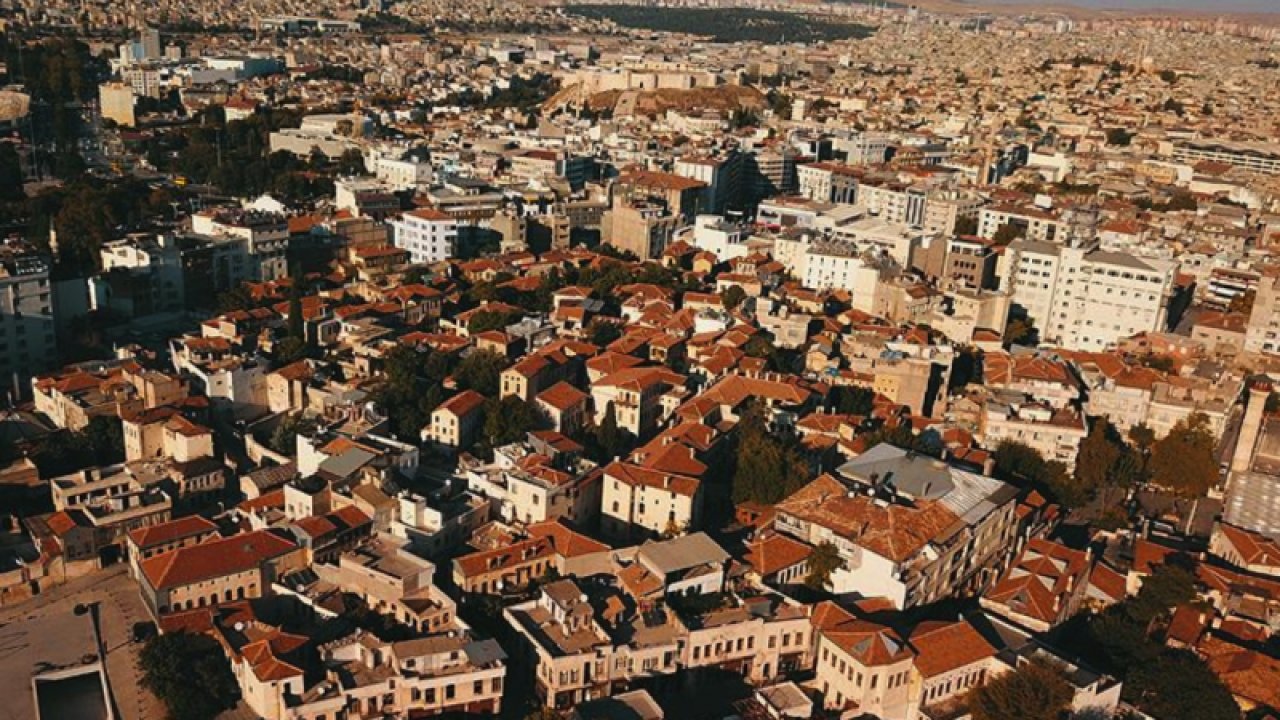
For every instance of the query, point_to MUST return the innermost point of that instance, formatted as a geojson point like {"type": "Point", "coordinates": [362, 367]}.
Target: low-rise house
{"type": "Point", "coordinates": [241, 567]}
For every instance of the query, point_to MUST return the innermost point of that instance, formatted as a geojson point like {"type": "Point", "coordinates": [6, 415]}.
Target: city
{"type": "Point", "coordinates": [615, 359]}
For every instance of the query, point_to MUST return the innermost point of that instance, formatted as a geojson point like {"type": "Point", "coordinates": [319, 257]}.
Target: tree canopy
{"type": "Point", "coordinates": [480, 371]}
{"type": "Point", "coordinates": [768, 466]}
{"type": "Point", "coordinates": [189, 674]}
{"type": "Point", "coordinates": [1036, 690]}
{"type": "Point", "coordinates": [1183, 461]}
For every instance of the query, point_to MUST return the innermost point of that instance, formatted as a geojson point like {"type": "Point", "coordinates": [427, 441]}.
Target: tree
{"type": "Point", "coordinates": [1036, 690]}
{"type": "Point", "coordinates": [284, 439]}
{"type": "Point", "coordinates": [1142, 437]}
{"type": "Point", "coordinates": [480, 371]}
{"type": "Point", "coordinates": [602, 332]}
{"type": "Point", "coordinates": [967, 225]}
{"type": "Point", "coordinates": [1020, 331]}
{"type": "Point", "coordinates": [768, 467]}
{"type": "Point", "coordinates": [850, 400]}
{"type": "Point", "coordinates": [1020, 463]}
{"type": "Point", "coordinates": [733, 296]}
{"type": "Point", "coordinates": [104, 436]}
{"type": "Point", "coordinates": [190, 675]}
{"type": "Point", "coordinates": [1118, 137]}
{"type": "Point", "coordinates": [1097, 456]}
{"type": "Point", "coordinates": [610, 439]}
{"type": "Point", "coordinates": [486, 320]}
{"type": "Point", "coordinates": [1180, 685]}
{"type": "Point", "coordinates": [237, 298]}
{"type": "Point", "coordinates": [508, 420]}
{"type": "Point", "coordinates": [1007, 233]}
{"type": "Point", "coordinates": [351, 163]}
{"type": "Point", "coordinates": [290, 350]}
{"type": "Point", "coordinates": [10, 174]}
{"type": "Point", "coordinates": [1183, 461]}
{"type": "Point", "coordinates": [823, 561]}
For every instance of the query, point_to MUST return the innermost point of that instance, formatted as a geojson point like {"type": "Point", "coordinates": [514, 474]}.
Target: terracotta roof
{"type": "Point", "coordinates": [463, 404]}
{"type": "Point", "coordinates": [1254, 549]}
{"type": "Point", "coordinates": [945, 646]}
{"type": "Point", "coordinates": [871, 644]}
{"type": "Point", "coordinates": [895, 532]}
{"type": "Point", "coordinates": [567, 542]}
{"type": "Point", "coordinates": [562, 396]}
{"type": "Point", "coordinates": [214, 559]}
{"type": "Point", "coordinates": [186, 527]}
{"type": "Point", "coordinates": [636, 475]}
{"type": "Point", "coordinates": [773, 551]}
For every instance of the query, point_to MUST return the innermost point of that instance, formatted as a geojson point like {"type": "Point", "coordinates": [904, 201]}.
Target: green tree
{"type": "Point", "coordinates": [104, 436]}
{"type": "Point", "coordinates": [1019, 463]}
{"type": "Point", "coordinates": [509, 420]}
{"type": "Point", "coordinates": [967, 225]}
{"type": "Point", "coordinates": [480, 371]}
{"type": "Point", "coordinates": [284, 439]}
{"type": "Point", "coordinates": [486, 320]}
{"type": "Point", "coordinates": [850, 400]}
{"type": "Point", "coordinates": [1118, 137]}
{"type": "Point", "coordinates": [1097, 456]}
{"type": "Point", "coordinates": [823, 561]}
{"type": "Point", "coordinates": [10, 174]}
{"type": "Point", "coordinates": [733, 296]}
{"type": "Point", "coordinates": [611, 440]}
{"type": "Point", "coordinates": [1178, 684]}
{"type": "Point", "coordinates": [1007, 233]}
{"type": "Point", "coordinates": [768, 466]}
{"type": "Point", "coordinates": [290, 350]}
{"type": "Point", "coordinates": [190, 675]}
{"type": "Point", "coordinates": [602, 333]}
{"type": "Point", "coordinates": [237, 298]}
{"type": "Point", "coordinates": [1183, 461]}
{"type": "Point", "coordinates": [1036, 690]}
{"type": "Point", "coordinates": [1020, 331]}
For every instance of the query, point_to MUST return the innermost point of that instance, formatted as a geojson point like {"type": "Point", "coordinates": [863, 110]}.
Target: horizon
{"type": "Point", "coordinates": [1220, 6]}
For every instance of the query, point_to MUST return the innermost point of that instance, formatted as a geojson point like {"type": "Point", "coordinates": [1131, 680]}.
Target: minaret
{"type": "Point", "coordinates": [1250, 427]}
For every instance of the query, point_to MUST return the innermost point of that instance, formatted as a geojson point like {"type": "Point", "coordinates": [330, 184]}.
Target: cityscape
{"type": "Point", "coordinates": [639, 360]}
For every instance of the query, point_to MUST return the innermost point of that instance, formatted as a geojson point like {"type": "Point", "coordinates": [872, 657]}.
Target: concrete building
{"type": "Point", "coordinates": [909, 528]}
{"type": "Point", "coordinates": [428, 234]}
{"type": "Point", "coordinates": [28, 338]}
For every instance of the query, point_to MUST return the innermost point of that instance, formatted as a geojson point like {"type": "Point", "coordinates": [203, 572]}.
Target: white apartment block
{"type": "Point", "coordinates": [828, 182]}
{"type": "Point", "coordinates": [727, 240]}
{"type": "Point", "coordinates": [1085, 298]}
{"type": "Point", "coordinates": [428, 234]}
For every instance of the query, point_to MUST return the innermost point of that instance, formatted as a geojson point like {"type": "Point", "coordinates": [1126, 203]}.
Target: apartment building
{"type": "Point", "coordinates": [587, 641]}
{"type": "Point", "coordinates": [266, 237]}
{"type": "Point", "coordinates": [1055, 433]}
{"type": "Point", "coordinates": [828, 182]}
{"type": "Point", "coordinates": [634, 397]}
{"type": "Point", "coordinates": [28, 342]}
{"type": "Point", "coordinates": [454, 423]}
{"type": "Point", "coordinates": [1262, 332]}
{"type": "Point", "coordinates": [1257, 156]}
{"type": "Point", "coordinates": [427, 234]}
{"type": "Point", "coordinates": [908, 527]}
{"type": "Point", "coordinates": [1084, 298]}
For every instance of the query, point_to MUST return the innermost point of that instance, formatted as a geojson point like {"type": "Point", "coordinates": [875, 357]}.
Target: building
{"type": "Point", "coordinates": [1084, 298]}
{"type": "Point", "coordinates": [643, 229]}
{"type": "Point", "coordinates": [429, 235]}
{"type": "Point", "coordinates": [638, 502]}
{"type": "Point", "coordinates": [28, 339]}
{"type": "Point", "coordinates": [909, 528]}
{"type": "Point", "coordinates": [241, 567]}
{"type": "Point", "coordinates": [117, 102]}
{"type": "Point", "coordinates": [454, 423]}
{"type": "Point", "coordinates": [1256, 156]}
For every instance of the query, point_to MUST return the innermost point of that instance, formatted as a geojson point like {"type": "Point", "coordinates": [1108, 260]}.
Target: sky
{"type": "Point", "coordinates": [1212, 5]}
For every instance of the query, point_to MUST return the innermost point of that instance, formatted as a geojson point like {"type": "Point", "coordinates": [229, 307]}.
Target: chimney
{"type": "Point", "coordinates": [1250, 427]}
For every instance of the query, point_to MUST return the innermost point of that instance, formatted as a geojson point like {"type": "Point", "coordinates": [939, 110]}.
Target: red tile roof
{"type": "Point", "coordinates": [215, 559]}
